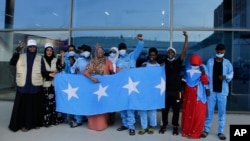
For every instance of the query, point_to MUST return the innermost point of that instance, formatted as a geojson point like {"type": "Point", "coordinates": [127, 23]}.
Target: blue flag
{"type": "Point", "coordinates": [135, 89]}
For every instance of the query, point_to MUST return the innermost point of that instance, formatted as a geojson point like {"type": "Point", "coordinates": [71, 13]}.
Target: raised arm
{"type": "Point", "coordinates": [185, 46]}
{"type": "Point", "coordinates": [139, 47]}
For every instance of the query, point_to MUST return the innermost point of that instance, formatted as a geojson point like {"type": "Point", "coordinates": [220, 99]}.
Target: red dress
{"type": "Point", "coordinates": [193, 112]}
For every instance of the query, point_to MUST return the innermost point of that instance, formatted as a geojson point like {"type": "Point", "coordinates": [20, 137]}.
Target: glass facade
{"type": "Point", "coordinates": [161, 22]}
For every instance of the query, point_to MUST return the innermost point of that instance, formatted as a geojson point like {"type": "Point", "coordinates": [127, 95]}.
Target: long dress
{"type": "Point", "coordinates": [194, 108]}
{"type": "Point", "coordinates": [26, 113]}
{"type": "Point", "coordinates": [50, 116]}
{"type": "Point", "coordinates": [98, 122]}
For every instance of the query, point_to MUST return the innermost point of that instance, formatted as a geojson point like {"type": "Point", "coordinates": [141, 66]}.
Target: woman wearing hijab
{"type": "Point", "coordinates": [194, 102]}
{"type": "Point", "coordinates": [113, 57]}
{"type": "Point", "coordinates": [99, 65]}
{"type": "Point", "coordinates": [26, 113]}
{"type": "Point", "coordinates": [52, 65]}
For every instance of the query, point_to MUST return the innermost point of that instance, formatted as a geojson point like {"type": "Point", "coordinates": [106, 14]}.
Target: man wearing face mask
{"type": "Point", "coordinates": [173, 86]}
{"type": "Point", "coordinates": [82, 61]}
{"type": "Point", "coordinates": [220, 72]}
{"type": "Point", "coordinates": [78, 68]}
{"type": "Point", "coordinates": [69, 56]}
{"type": "Point", "coordinates": [127, 61]}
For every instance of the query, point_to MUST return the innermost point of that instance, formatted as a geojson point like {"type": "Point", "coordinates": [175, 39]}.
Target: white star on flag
{"type": "Point", "coordinates": [193, 71]}
{"type": "Point", "coordinates": [101, 92]}
{"type": "Point", "coordinates": [71, 92]}
{"type": "Point", "coordinates": [131, 86]}
{"type": "Point", "coordinates": [161, 86]}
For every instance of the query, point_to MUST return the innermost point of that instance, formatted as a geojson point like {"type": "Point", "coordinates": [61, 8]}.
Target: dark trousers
{"type": "Point", "coordinates": [172, 100]}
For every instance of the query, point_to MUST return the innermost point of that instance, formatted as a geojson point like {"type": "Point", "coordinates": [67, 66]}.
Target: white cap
{"type": "Point", "coordinates": [171, 48]}
{"type": "Point", "coordinates": [48, 45]}
{"type": "Point", "coordinates": [31, 42]}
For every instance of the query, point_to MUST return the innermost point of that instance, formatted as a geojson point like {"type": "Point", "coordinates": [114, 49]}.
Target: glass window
{"type": "Point", "coordinates": [2, 13]}
{"type": "Point", "coordinates": [58, 38]}
{"type": "Point", "coordinates": [41, 14]}
{"type": "Point", "coordinates": [7, 80]}
{"type": "Point", "coordinates": [201, 42]}
{"type": "Point", "coordinates": [108, 39]}
{"type": "Point", "coordinates": [196, 13]}
{"type": "Point", "coordinates": [121, 13]}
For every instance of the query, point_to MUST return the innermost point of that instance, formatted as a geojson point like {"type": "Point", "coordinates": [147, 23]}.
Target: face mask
{"type": "Point", "coordinates": [122, 52]}
{"type": "Point", "coordinates": [71, 53]}
{"type": "Point", "coordinates": [219, 55]}
{"type": "Point", "coordinates": [195, 67]}
{"type": "Point", "coordinates": [171, 59]}
{"type": "Point", "coordinates": [112, 55]}
{"type": "Point", "coordinates": [85, 54]}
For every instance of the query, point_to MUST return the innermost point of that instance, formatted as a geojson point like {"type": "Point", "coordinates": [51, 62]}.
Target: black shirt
{"type": "Point", "coordinates": [173, 75]}
{"type": "Point", "coordinates": [217, 71]}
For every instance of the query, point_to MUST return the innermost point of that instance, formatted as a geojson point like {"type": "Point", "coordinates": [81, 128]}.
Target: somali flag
{"type": "Point", "coordinates": [135, 89]}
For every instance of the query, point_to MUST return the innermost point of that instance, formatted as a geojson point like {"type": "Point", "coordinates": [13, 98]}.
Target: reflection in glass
{"type": "Point", "coordinates": [194, 13]}
{"type": "Point", "coordinates": [120, 13]}
{"type": "Point", "coordinates": [41, 14]}
{"type": "Point", "coordinates": [108, 39]}
{"type": "Point", "coordinates": [58, 38]}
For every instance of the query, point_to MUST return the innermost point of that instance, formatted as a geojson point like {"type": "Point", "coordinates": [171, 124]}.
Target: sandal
{"type": "Point", "coordinates": [162, 130]}
{"type": "Point", "coordinates": [221, 136]}
{"type": "Point", "coordinates": [143, 131]}
{"type": "Point", "coordinates": [204, 134]}
{"type": "Point", "coordinates": [150, 130]}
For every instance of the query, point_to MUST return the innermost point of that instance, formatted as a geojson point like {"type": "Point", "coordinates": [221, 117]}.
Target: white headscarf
{"type": "Point", "coordinates": [114, 59]}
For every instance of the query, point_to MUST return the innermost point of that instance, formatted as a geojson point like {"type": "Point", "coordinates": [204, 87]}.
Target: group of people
{"type": "Point", "coordinates": [197, 91]}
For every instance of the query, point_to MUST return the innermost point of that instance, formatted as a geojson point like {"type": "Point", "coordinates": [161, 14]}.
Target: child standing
{"type": "Point", "coordinates": [152, 55]}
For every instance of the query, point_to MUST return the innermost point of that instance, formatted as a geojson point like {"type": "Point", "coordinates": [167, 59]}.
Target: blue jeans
{"type": "Point", "coordinates": [221, 101]}
{"type": "Point", "coordinates": [128, 118]}
{"type": "Point", "coordinates": [144, 118]}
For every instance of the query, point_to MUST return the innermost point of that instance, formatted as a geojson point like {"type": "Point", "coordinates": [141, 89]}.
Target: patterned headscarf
{"type": "Point", "coordinates": [97, 64]}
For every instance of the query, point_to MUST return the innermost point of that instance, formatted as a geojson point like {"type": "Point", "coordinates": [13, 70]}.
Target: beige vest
{"type": "Point", "coordinates": [21, 71]}
{"type": "Point", "coordinates": [49, 68]}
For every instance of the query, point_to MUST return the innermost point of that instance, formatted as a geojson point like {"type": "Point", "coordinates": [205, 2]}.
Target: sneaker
{"type": "Point", "coordinates": [204, 134]}
{"type": "Point", "coordinates": [150, 130]}
{"type": "Point", "coordinates": [163, 129]}
{"type": "Point", "coordinates": [122, 128]}
{"type": "Point", "coordinates": [221, 136]}
{"type": "Point", "coordinates": [131, 132]}
{"type": "Point", "coordinates": [143, 131]}
{"type": "Point", "coordinates": [74, 124]}
{"type": "Point", "coordinates": [175, 131]}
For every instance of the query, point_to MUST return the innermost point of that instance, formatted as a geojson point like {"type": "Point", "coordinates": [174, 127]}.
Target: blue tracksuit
{"type": "Point", "coordinates": [219, 98]}
{"type": "Point", "coordinates": [126, 62]}
{"type": "Point", "coordinates": [80, 63]}
{"type": "Point", "coordinates": [152, 113]}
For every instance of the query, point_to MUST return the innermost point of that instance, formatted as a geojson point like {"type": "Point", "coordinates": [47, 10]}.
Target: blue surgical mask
{"type": "Point", "coordinates": [122, 52]}
{"type": "Point", "coordinates": [71, 53]}
{"type": "Point", "coordinates": [85, 54]}
{"type": "Point", "coordinates": [219, 55]}
{"type": "Point", "coordinates": [112, 55]}
{"type": "Point", "coordinates": [195, 67]}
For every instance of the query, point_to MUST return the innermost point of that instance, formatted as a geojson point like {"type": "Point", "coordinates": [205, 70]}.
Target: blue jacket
{"type": "Point", "coordinates": [80, 63]}
{"type": "Point", "coordinates": [129, 60]}
{"type": "Point", "coordinates": [227, 71]}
